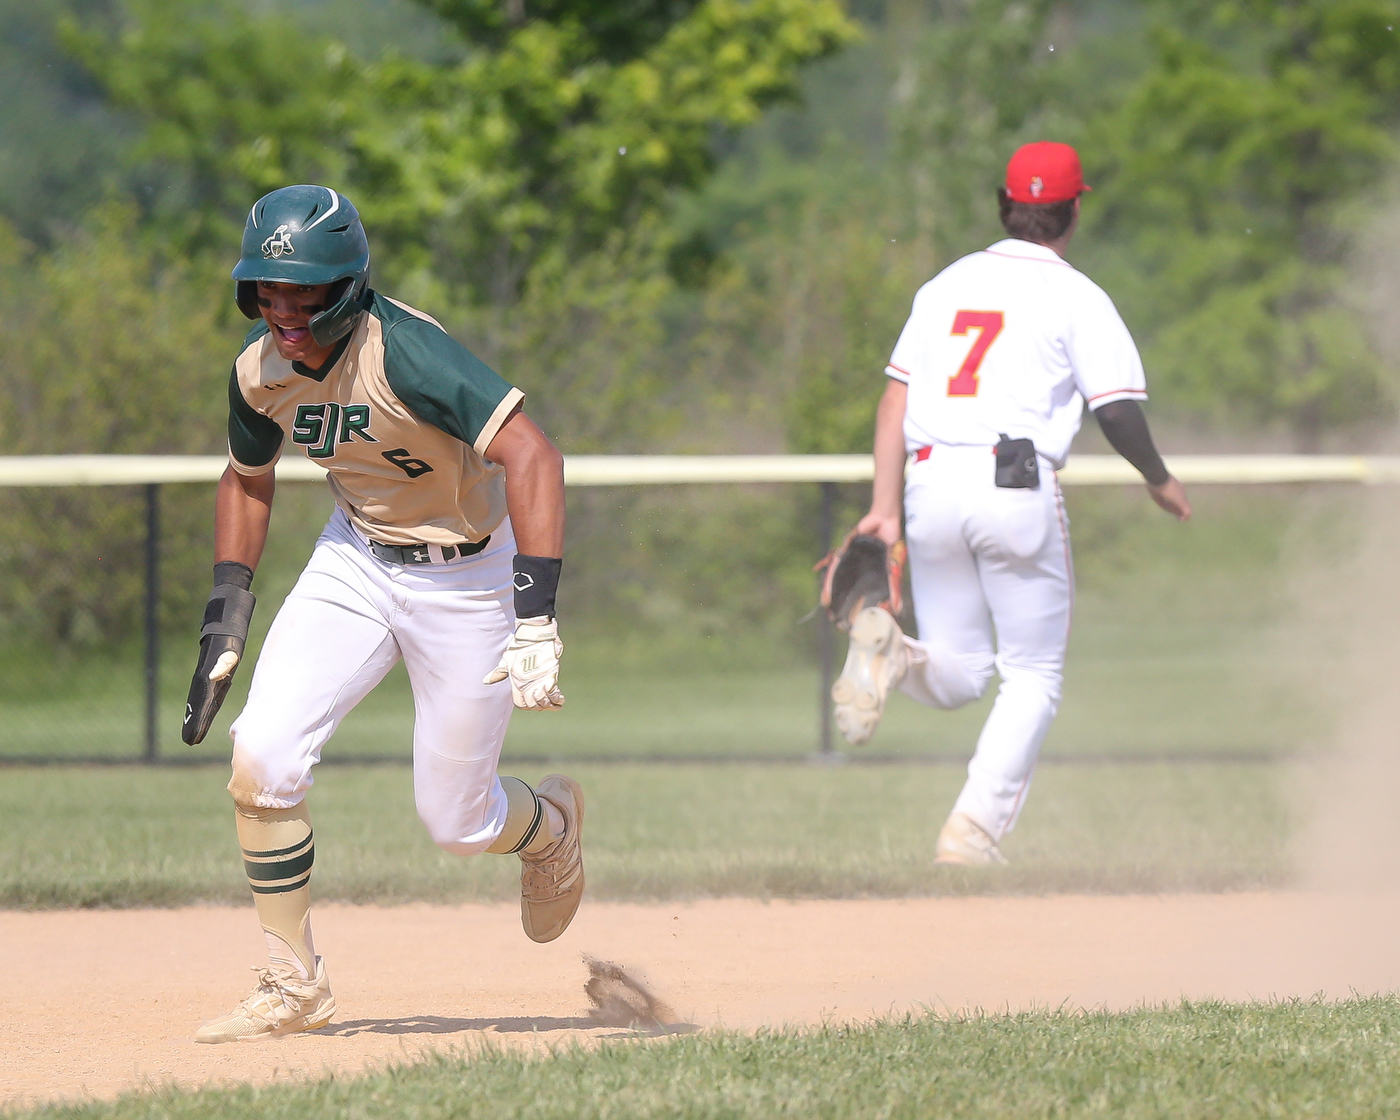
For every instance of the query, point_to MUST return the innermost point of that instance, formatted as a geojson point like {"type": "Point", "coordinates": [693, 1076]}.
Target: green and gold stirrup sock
{"type": "Point", "coordinates": [277, 855]}
{"type": "Point", "coordinates": [532, 823]}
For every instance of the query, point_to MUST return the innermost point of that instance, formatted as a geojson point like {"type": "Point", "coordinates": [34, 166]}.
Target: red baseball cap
{"type": "Point", "coordinates": [1044, 172]}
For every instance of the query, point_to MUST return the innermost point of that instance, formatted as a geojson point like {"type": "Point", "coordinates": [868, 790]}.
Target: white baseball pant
{"type": "Point", "coordinates": [346, 623]}
{"type": "Point", "coordinates": [993, 587]}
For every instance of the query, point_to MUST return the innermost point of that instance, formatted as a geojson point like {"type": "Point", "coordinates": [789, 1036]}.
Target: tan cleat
{"type": "Point", "coordinates": [876, 661]}
{"type": "Point", "coordinates": [964, 842]}
{"type": "Point", "coordinates": [551, 880]}
{"type": "Point", "coordinates": [279, 1005]}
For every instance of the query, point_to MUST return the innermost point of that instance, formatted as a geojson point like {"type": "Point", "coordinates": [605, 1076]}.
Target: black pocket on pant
{"type": "Point", "coordinates": [1017, 466]}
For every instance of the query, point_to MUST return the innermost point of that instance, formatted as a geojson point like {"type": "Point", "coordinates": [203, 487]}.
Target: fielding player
{"type": "Point", "coordinates": [444, 550]}
{"type": "Point", "coordinates": [986, 390]}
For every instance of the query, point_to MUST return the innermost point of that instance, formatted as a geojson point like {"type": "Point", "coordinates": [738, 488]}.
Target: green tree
{"type": "Point", "coordinates": [105, 347]}
{"type": "Point", "coordinates": [60, 143]}
{"type": "Point", "coordinates": [559, 124]}
{"type": "Point", "coordinates": [1225, 179]}
{"type": "Point", "coordinates": [965, 80]}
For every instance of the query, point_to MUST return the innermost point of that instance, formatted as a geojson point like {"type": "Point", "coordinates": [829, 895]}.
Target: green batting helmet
{"type": "Point", "coordinates": [306, 235]}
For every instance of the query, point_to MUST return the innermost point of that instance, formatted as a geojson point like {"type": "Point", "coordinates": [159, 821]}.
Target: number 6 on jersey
{"type": "Point", "coordinates": [988, 325]}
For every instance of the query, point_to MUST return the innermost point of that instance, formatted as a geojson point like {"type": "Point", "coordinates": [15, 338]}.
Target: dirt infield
{"type": "Point", "coordinates": [98, 1002]}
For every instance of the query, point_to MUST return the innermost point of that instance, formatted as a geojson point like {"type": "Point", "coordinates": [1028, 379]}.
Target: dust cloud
{"type": "Point", "coordinates": [622, 1000]}
{"type": "Point", "coordinates": [1348, 839]}
{"type": "Point", "coordinates": [1348, 627]}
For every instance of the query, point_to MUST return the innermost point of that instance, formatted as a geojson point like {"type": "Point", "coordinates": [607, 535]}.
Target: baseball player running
{"type": "Point", "coordinates": [985, 391]}
{"type": "Point", "coordinates": [444, 550]}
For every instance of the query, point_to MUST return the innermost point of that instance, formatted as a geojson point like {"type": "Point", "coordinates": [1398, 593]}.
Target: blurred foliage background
{"type": "Point", "coordinates": [680, 225]}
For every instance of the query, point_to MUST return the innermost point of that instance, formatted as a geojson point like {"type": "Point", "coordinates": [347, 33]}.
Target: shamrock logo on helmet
{"type": "Point", "coordinates": [280, 242]}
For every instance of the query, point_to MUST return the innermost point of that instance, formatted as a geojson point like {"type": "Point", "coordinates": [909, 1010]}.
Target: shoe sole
{"type": "Point", "coordinates": [956, 845]}
{"type": "Point", "coordinates": [329, 1013]}
{"type": "Point", "coordinates": [280, 1032]}
{"type": "Point", "coordinates": [859, 700]}
{"type": "Point", "coordinates": [577, 791]}
{"type": "Point", "coordinates": [969, 859]}
{"type": "Point", "coordinates": [963, 861]}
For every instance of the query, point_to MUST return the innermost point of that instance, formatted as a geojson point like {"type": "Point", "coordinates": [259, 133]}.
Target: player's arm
{"type": "Point", "coordinates": [1108, 369]}
{"type": "Point", "coordinates": [887, 494]}
{"type": "Point", "coordinates": [1125, 427]}
{"type": "Point", "coordinates": [242, 507]}
{"type": "Point", "coordinates": [534, 486]}
{"type": "Point", "coordinates": [534, 471]}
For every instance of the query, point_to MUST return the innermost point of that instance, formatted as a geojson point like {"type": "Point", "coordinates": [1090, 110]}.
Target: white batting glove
{"type": "Point", "coordinates": [531, 661]}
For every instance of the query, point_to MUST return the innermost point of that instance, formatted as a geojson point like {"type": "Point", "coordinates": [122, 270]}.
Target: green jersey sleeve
{"type": "Point", "coordinates": [444, 383]}
{"type": "Point", "coordinates": [253, 439]}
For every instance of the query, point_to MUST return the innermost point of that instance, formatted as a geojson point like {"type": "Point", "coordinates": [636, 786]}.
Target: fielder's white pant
{"type": "Point", "coordinates": [993, 588]}
{"type": "Point", "coordinates": [348, 620]}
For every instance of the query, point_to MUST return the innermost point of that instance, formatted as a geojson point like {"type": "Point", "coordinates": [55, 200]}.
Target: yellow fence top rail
{"type": "Point", "coordinates": [655, 470]}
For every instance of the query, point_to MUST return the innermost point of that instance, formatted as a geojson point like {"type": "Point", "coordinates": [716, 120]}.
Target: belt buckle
{"type": "Point", "coordinates": [422, 553]}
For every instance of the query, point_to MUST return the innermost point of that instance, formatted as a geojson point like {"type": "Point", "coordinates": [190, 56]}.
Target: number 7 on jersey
{"type": "Point", "coordinates": [988, 325]}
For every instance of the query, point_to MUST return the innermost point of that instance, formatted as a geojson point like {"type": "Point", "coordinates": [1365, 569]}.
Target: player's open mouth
{"type": "Point", "coordinates": [294, 335]}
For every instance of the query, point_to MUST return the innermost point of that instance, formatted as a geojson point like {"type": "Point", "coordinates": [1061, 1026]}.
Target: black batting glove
{"type": "Point", "coordinates": [222, 638]}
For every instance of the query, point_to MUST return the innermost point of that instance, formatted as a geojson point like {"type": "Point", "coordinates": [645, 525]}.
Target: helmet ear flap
{"type": "Point", "coordinates": [245, 294]}
{"type": "Point", "coordinates": [334, 323]}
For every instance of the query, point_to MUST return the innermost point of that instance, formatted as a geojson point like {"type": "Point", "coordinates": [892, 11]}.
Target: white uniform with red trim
{"type": "Point", "coordinates": [1011, 340]}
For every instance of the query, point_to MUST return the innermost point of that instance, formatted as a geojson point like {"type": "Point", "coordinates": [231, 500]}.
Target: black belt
{"type": "Point", "coordinates": [422, 553]}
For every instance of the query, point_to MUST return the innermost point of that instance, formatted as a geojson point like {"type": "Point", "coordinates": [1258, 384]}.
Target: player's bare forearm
{"type": "Point", "coordinates": [534, 485]}
{"type": "Point", "coordinates": [887, 494]}
{"type": "Point", "coordinates": [242, 508]}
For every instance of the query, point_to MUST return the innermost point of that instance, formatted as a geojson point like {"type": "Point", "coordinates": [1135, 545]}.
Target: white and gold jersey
{"type": "Point", "coordinates": [400, 415]}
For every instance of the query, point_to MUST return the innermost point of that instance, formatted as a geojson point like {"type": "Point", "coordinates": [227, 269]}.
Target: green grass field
{"type": "Point", "coordinates": [131, 836]}
{"type": "Point", "coordinates": [1236, 707]}
{"type": "Point", "coordinates": [1168, 684]}
{"type": "Point", "coordinates": [1288, 1059]}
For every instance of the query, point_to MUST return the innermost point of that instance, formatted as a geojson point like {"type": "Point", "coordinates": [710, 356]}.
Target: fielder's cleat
{"type": "Point", "coordinates": [279, 1005]}
{"type": "Point", "coordinates": [964, 842]}
{"type": "Point", "coordinates": [551, 880]}
{"type": "Point", "coordinates": [876, 661]}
